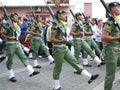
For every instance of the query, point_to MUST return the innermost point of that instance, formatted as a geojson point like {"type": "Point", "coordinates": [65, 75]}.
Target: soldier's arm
{"type": "Point", "coordinates": [4, 34]}
{"type": "Point", "coordinates": [55, 40]}
{"type": "Point", "coordinates": [33, 33]}
{"type": "Point", "coordinates": [73, 33]}
{"type": "Point", "coordinates": [53, 36]}
{"type": "Point", "coordinates": [8, 37]}
{"type": "Point", "coordinates": [106, 37]}
{"type": "Point", "coordinates": [108, 27]}
{"type": "Point", "coordinates": [88, 33]}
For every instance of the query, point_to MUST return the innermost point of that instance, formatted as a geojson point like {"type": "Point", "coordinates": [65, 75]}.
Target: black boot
{"type": "Point", "coordinates": [102, 63]}
{"type": "Point", "coordinates": [93, 77]}
{"type": "Point", "coordinates": [13, 79]}
{"type": "Point", "coordinates": [34, 73]}
{"type": "Point", "coordinates": [88, 65]}
{"type": "Point", "coordinates": [38, 66]}
{"type": "Point", "coordinates": [2, 58]}
{"type": "Point", "coordinates": [58, 88]}
{"type": "Point", "coordinates": [77, 72]}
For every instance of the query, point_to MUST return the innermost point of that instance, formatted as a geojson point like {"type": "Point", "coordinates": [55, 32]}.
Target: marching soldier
{"type": "Point", "coordinates": [1, 44]}
{"type": "Point", "coordinates": [13, 46]}
{"type": "Point", "coordinates": [1, 56]}
{"type": "Point", "coordinates": [111, 45]}
{"type": "Point", "coordinates": [61, 52]}
{"type": "Point", "coordinates": [88, 38]}
{"type": "Point", "coordinates": [36, 42]}
{"type": "Point", "coordinates": [79, 42]}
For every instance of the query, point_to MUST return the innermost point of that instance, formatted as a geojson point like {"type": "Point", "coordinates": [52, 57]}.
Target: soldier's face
{"type": "Point", "coordinates": [15, 18]}
{"type": "Point", "coordinates": [62, 16]}
{"type": "Point", "coordinates": [40, 19]}
{"type": "Point", "coordinates": [79, 17]}
{"type": "Point", "coordinates": [116, 10]}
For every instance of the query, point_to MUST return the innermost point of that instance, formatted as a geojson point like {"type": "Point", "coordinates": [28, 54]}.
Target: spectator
{"type": "Point", "coordinates": [23, 27]}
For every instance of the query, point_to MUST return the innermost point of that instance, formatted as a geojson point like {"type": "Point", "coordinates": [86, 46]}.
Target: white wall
{"type": "Point", "coordinates": [22, 2]}
{"type": "Point", "coordinates": [98, 10]}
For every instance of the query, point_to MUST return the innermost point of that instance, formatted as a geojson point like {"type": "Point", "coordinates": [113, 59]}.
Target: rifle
{"type": "Point", "coordinates": [76, 21]}
{"type": "Point", "coordinates": [110, 14]}
{"type": "Point", "coordinates": [58, 26]}
{"type": "Point", "coordinates": [34, 19]}
{"type": "Point", "coordinates": [29, 21]}
{"type": "Point", "coordinates": [8, 20]}
{"type": "Point", "coordinates": [83, 15]}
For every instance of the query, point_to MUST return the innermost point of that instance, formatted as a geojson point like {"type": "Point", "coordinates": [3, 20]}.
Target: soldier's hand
{"type": "Point", "coordinates": [64, 39]}
{"type": "Point", "coordinates": [81, 33]}
{"type": "Point", "coordinates": [119, 39]}
{"type": "Point", "coordinates": [38, 34]}
{"type": "Point", "coordinates": [12, 38]}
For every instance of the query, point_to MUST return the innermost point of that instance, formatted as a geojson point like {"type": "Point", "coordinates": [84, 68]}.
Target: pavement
{"type": "Point", "coordinates": [44, 80]}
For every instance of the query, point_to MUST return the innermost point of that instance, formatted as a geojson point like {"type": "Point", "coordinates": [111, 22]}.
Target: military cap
{"type": "Point", "coordinates": [59, 12]}
{"type": "Point", "coordinates": [113, 4]}
{"type": "Point", "coordinates": [25, 19]}
{"type": "Point", "coordinates": [37, 16]}
{"type": "Point", "coordinates": [13, 14]}
{"type": "Point", "coordinates": [77, 14]}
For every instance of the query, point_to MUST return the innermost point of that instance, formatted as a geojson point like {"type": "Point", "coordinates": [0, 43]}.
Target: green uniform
{"type": "Point", "coordinates": [61, 52]}
{"type": "Point", "coordinates": [79, 43]}
{"type": "Point", "coordinates": [36, 42]}
{"type": "Point", "coordinates": [90, 41]}
{"type": "Point", "coordinates": [111, 54]}
{"type": "Point", "coordinates": [14, 47]}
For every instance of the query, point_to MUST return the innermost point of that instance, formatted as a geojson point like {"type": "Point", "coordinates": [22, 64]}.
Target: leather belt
{"type": "Point", "coordinates": [60, 45]}
{"type": "Point", "coordinates": [77, 39]}
{"type": "Point", "coordinates": [11, 42]}
{"type": "Point", "coordinates": [116, 48]}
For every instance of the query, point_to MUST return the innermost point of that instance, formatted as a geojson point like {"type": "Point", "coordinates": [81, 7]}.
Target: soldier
{"type": "Point", "coordinates": [36, 42]}
{"type": "Point", "coordinates": [88, 38]}
{"type": "Point", "coordinates": [13, 46]}
{"type": "Point", "coordinates": [1, 44]}
{"type": "Point", "coordinates": [79, 42]}
{"type": "Point", "coordinates": [1, 51]}
{"type": "Point", "coordinates": [61, 52]}
{"type": "Point", "coordinates": [111, 45]}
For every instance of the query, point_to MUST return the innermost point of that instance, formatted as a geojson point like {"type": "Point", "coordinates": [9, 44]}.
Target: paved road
{"type": "Point", "coordinates": [44, 81]}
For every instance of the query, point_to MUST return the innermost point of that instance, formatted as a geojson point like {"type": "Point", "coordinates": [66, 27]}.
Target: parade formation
{"type": "Point", "coordinates": [87, 38]}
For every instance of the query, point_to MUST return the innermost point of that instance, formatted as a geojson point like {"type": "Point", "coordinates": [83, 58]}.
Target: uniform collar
{"type": "Point", "coordinates": [117, 19]}
{"type": "Point", "coordinates": [15, 24]}
{"type": "Point", "coordinates": [63, 23]}
{"type": "Point", "coordinates": [40, 23]}
{"type": "Point", "coordinates": [80, 21]}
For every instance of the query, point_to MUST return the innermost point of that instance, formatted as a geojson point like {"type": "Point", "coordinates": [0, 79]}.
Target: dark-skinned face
{"type": "Point", "coordinates": [62, 16]}
{"type": "Point", "coordinates": [116, 10]}
{"type": "Point", "coordinates": [39, 19]}
{"type": "Point", "coordinates": [79, 17]}
{"type": "Point", "coordinates": [14, 18]}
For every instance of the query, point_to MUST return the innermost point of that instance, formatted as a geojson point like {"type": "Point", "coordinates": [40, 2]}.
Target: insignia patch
{"type": "Point", "coordinates": [54, 31]}
{"type": "Point", "coordinates": [5, 31]}
{"type": "Point", "coordinates": [109, 27]}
